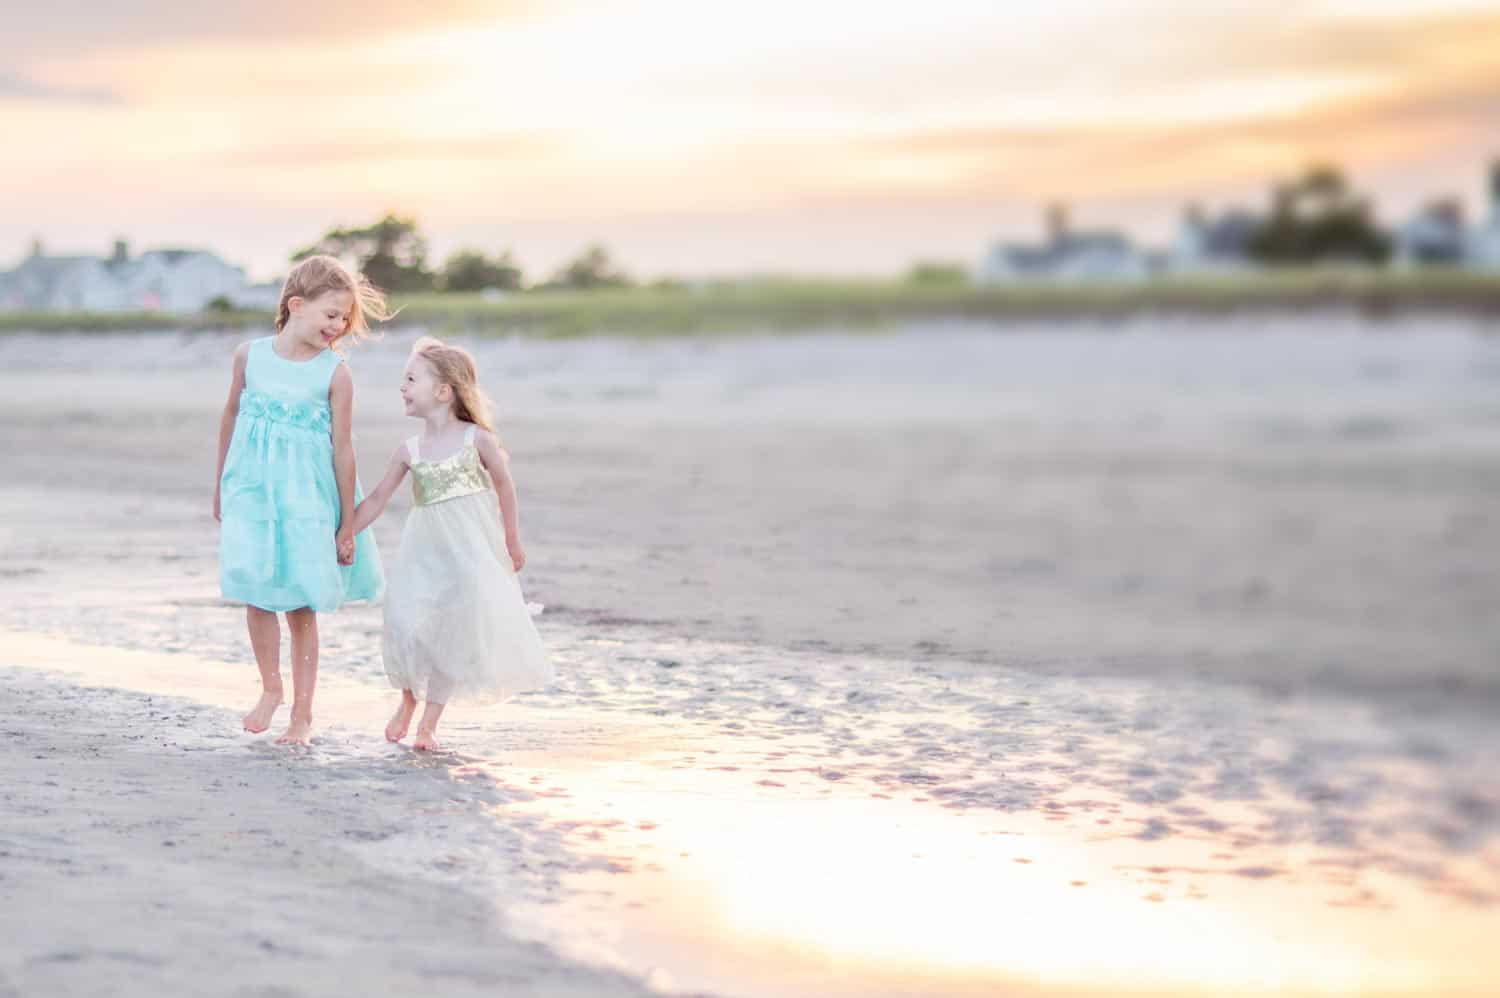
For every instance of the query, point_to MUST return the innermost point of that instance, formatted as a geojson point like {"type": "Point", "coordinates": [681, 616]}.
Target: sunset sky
{"type": "Point", "coordinates": [697, 136]}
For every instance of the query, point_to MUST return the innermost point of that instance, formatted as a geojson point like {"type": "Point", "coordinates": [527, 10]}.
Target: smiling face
{"type": "Point", "coordinates": [319, 321]}
{"type": "Point", "coordinates": [421, 391]}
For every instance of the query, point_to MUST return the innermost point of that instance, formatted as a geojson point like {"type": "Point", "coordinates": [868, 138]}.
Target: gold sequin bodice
{"type": "Point", "coordinates": [458, 474]}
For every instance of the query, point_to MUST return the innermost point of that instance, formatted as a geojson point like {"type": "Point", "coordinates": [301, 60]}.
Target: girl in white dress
{"type": "Point", "coordinates": [456, 624]}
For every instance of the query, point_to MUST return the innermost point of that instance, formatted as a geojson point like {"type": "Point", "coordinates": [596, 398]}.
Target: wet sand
{"type": "Point", "coordinates": [1026, 837]}
{"type": "Point", "coordinates": [141, 857]}
{"type": "Point", "coordinates": [942, 663]}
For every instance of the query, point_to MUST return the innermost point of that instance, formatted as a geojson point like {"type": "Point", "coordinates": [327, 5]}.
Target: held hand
{"type": "Point", "coordinates": [345, 541]}
{"type": "Point", "coordinates": [517, 555]}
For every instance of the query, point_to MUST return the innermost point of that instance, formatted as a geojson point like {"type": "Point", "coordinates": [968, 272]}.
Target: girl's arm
{"type": "Point", "coordinates": [497, 463]}
{"type": "Point", "coordinates": [341, 401]}
{"type": "Point", "coordinates": [369, 511]}
{"type": "Point", "coordinates": [231, 413]}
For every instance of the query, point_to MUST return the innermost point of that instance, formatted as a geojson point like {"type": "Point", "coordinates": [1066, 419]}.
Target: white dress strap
{"type": "Point", "coordinates": [411, 449]}
{"type": "Point", "coordinates": [469, 436]}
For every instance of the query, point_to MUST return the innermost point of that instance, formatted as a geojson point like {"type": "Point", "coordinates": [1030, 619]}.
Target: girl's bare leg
{"type": "Point", "coordinates": [439, 690]}
{"type": "Point", "coordinates": [426, 740]}
{"type": "Point", "coordinates": [265, 641]}
{"type": "Point", "coordinates": [303, 624]}
{"type": "Point", "coordinates": [401, 720]}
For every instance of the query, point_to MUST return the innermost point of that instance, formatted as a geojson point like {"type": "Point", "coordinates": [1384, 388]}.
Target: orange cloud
{"type": "Point", "coordinates": [643, 119]}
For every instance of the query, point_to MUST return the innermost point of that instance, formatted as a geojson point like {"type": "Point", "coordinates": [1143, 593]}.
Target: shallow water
{"type": "Point", "coordinates": [1060, 659]}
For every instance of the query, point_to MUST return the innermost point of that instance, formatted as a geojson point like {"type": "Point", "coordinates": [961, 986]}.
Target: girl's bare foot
{"type": "Point", "coordinates": [299, 732]}
{"type": "Point", "coordinates": [401, 720]}
{"type": "Point", "coordinates": [427, 727]}
{"type": "Point", "coordinates": [259, 718]}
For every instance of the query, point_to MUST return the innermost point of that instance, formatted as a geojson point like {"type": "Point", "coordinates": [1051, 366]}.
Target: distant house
{"type": "Point", "coordinates": [1207, 245]}
{"type": "Point", "coordinates": [1068, 256]}
{"type": "Point", "coordinates": [1484, 242]}
{"type": "Point", "coordinates": [165, 280]}
{"type": "Point", "coordinates": [1435, 235]}
{"type": "Point", "coordinates": [1438, 234]}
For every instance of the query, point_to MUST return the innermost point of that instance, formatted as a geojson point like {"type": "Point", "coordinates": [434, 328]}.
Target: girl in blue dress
{"type": "Point", "coordinates": [287, 486]}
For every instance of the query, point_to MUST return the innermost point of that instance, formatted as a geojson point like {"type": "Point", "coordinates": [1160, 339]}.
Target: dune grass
{"type": "Point", "coordinates": [776, 304]}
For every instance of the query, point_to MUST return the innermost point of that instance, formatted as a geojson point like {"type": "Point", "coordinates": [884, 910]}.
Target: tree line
{"type": "Point", "coordinates": [392, 252]}
{"type": "Point", "coordinates": [1314, 218]}
{"type": "Point", "coordinates": [1318, 217]}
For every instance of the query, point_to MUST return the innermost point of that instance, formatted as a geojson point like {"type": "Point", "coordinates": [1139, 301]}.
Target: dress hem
{"type": "Point", "coordinates": [281, 607]}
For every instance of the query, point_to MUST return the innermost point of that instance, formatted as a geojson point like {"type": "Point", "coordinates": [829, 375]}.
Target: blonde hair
{"type": "Point", "coordinates": [455, 367]}
{"type": "Point", "coordinates": [321, 274]}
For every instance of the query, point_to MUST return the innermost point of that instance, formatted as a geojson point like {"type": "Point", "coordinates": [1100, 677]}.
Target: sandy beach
{"type": "Point", "coordinates": [1152, 659]}
{"type": "Point", "coordinates": [140, 857]}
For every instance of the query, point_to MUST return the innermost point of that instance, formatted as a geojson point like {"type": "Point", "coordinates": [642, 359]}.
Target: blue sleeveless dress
{"type": "Point", "coordinates": [279, 498]}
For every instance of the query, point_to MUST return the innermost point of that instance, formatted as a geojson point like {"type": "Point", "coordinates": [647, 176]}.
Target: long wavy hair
{"type": "Point", "coordinates": [318, 275]}
{"type": "Point", "coordinates": [455, 367]}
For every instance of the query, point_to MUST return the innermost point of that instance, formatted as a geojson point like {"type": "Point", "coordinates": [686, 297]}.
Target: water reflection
{"type": "Point", "coordinates": [777, 890]}
{"type": "Point", "coordinates": [940, 837]}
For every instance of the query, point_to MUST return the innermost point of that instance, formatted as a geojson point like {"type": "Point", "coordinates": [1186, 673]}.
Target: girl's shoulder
{"type": "Point", "coordinates": [244, 348]}
{"type": "Point", "coordinates": [240, 361]}
{"type": "Point", "coordinates": [334, 360]}
{"type": "Point", "coordinates": [491, 450]}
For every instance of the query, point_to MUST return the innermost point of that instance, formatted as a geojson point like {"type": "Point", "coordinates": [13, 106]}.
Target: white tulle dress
{"type": "Point", "coordinates": [457, 627]}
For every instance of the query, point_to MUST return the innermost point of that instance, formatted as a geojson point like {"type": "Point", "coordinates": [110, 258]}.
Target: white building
{"type": "Point", "coordinates": [168, 280]}
{"type": "Point", "coordinates": [1213, 245]}
{"type": "Point", "coordinates": [1484, 242]}
{"type": "Point", "coordinates": [1437, 234]}
{"type": "Point", "coordinates": [1066, 257]}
